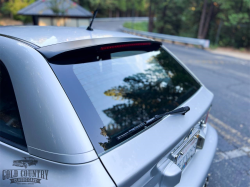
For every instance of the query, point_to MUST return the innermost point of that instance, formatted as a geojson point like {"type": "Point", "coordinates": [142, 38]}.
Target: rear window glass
{"type": "Point", "coordinates": [112, 96]}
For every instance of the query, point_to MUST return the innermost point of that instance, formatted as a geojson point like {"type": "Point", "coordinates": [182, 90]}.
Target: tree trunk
{"type": "Point", "coordinates": [1, 3]}
{"type": "Point", "coordinates": [136, 13]}
{"type": "Point", "coordinates": [128, 15]}
{"type": "Point", "coordinates": [203, 14]}
{"type": "Point", "coordinates": [117, 13]}
{"type": "Point", "coordinates": [207, 22]}
{"type": "Point", "coordinates": [110, 13]}
{"type": "Point", "coordinates": [218, 33]}
{"type": "Point", "coordinates": [241, 4]}
{"type": "Point", "coordinates": [150, 17]}
{"type": "Point", "coordinates": [161, 29]}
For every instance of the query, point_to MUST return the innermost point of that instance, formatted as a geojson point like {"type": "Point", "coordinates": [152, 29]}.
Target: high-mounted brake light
{"type": "Point", "coordinates": [125, 45]}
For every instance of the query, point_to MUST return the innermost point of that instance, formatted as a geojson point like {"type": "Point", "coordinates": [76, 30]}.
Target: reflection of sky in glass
{"type": "Point", "coordinates": [98, 77]}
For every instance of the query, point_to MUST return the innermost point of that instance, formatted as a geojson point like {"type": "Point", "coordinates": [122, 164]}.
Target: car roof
{"type": "Point", "coordinates": [49, 35]}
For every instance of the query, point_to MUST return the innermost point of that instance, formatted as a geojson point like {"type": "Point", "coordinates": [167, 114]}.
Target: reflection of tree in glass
{"type": "Point", "coordinates": [163, 87]}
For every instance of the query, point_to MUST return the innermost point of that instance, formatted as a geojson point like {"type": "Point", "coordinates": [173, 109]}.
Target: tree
{"type": "Point", "coordinates": [13, 6]}
{"type": "Point", "coordinates": [205, 19]}
{"type": "Point", "coordinates": [57, 6]}
{"type": "Point", "coordinates": [151, 16]}
{"type": "Point", "coordinates": [111, 8]}
{"type": "Point", "coordinates": [165, 9]}
{"type": "Point", "coordinates": [235, 16]}
{"type": "Point", "coordinates": [169, 16]}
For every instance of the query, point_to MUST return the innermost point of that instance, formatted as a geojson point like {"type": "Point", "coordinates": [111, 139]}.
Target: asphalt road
{"type": "Point", "coordinates": [229, 79]}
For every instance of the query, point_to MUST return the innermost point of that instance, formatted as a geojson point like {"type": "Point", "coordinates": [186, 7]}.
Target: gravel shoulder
{"type": "Point", "coordinates": [231, 52]}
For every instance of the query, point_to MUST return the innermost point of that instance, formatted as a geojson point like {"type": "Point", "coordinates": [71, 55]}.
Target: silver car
{"type": "Point", "coordinates": [98, 108]}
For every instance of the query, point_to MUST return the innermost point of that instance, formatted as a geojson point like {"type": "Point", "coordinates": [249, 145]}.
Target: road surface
{"type": "Point", "coordinates": [229, 79]}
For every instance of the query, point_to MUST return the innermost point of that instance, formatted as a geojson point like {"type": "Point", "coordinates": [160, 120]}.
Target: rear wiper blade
{"type": "Point", "coordinates": [182, 110]}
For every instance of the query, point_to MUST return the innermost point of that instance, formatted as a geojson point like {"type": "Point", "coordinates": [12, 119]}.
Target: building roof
{"type": "Point", "coordinates": [55, 8]}
{"type": "Point", "coordinates": [49, 35]}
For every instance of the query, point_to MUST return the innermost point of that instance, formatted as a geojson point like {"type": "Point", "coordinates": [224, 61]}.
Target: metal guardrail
{"type": "Point", "coordinates": [185, 40]}
{"type": "Point", "coordinates": [123, 19]}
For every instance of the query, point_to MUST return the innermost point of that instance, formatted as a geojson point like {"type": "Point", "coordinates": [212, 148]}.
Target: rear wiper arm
{"type": "Point", "coordinates": [182, 110]}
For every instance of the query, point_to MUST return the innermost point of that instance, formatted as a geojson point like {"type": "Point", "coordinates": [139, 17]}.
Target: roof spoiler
{"type": "Point", "coordinates": [53, 50]}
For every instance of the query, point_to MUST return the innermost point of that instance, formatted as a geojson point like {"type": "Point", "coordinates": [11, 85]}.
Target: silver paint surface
{"type": "Point", "coordinates": [49, 121]}
{"type": "Point", "coordinates": [200, 164]}
{"type": "Point", "coordinates": [54, 132]}
{"type": "Point", "coordinates": [59, 175]}
{"type": "Point", "coordinates": [129, 162]}
{"type": "Point", "coordinates": [44, 36]}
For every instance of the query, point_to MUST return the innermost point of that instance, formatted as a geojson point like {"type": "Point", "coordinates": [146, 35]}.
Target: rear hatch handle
{"type": "Point", "coordinates": [166, 172]}
{"type": "Point", "coordinates": [171, 175]}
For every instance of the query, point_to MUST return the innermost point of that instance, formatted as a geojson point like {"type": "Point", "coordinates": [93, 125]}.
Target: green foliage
{"type": "Point", "coordinates": [235, 16]}
{"type": "Point", "coordinates": [116, 8]}
{"type": "Point", "coordinates": [13, 6]}
{"type": "Point", "coordinates": [234, 19]}
{"type": "Point", "coordinates": [57, 6]}
{"type": "Point", "coordinates": [242, 49]}
{"type": "Point", "coordinates": [234, 12]}
{"type": "Point", "coordinates": [213, 46]}
{"type": "Point", "coordinates": [182, 17]}
{"type": "Point", "coordinates": [141, 26]}
{"type": "Point", "coordinates": [174, 17]}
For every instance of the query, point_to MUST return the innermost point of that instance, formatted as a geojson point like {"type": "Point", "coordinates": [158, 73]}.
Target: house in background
{"type": "Point", "coordinates": [57, 13]}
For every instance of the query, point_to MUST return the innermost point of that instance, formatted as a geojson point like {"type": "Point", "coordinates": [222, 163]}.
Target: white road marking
{"type": "Point", "coordinates": [246, 149]}
{"type": "Point", "coordinates": [235, 153]}
{"type": "Point", "coordinates": [220, 156]}
{"type": "Point", "coordinates": [227, 127]}
{"type": "Point", "coordinates": [225, 135]}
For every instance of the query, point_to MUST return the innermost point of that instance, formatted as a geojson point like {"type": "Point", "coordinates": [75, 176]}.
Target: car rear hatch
{"type": "Point", "coordinates": [137, 161]}
{"type": "Point", "coordinates": [114, 85]}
